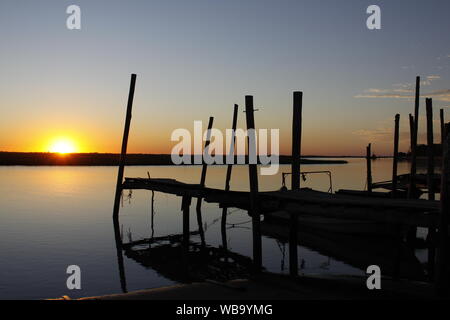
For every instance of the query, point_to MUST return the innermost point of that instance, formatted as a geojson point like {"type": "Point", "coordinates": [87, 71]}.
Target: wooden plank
{"type": "Point", "coordinates": [123, 152]}
{"type": "Point", "coordinates": [327, 199]}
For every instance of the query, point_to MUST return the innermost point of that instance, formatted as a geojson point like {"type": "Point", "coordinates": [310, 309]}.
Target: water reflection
{"type": "Point", "coordinates": [118, 239]}
{"type": "Point", "coordinates": [177, 258]}
{"type": "Point", "coordinates": [357, 251]}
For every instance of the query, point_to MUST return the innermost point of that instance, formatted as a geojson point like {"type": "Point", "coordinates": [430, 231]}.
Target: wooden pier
{"type": "Point", "coordinates": [414, 212]}
{"type": "Point", "coordinates": [297, 203]}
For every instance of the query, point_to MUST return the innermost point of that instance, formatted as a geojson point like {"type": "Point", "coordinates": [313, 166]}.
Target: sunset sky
{"type": "Point", "coordinates": [196, 58]}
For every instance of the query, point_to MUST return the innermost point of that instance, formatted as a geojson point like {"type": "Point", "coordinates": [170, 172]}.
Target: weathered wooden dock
{"type": "Point", "coordinates": [415, 212]}
{"type": "Point", "coordinates": [293, 203]}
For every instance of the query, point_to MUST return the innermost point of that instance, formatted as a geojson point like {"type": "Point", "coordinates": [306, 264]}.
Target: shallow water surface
{"type": "Point", "coordinates": [53, 217]}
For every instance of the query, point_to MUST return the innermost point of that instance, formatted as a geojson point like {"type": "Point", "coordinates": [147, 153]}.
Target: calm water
{"type": "Point", "coordinates": [53, 217]}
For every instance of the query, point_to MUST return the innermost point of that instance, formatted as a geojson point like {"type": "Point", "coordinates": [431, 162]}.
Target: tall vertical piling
{"type": "Point", "coordinates": [253, 177]}
{"type": "Point", "coordinates": [223, 222]}
{"type": "Point", "coordinates": [369, 167]}
{"type": "Point", "coordinates": [123, 152]}
{"type": "Point", "coordinates": [395, 156]}
{"type": "Point", "coordinates": [296, 139]}
{"type": "Point", "coordinates": [295, 178]}
{"type": "Point", "coordinates": [442, 259]}
{"type": "Point", "coordinates": [414, 132]}
{"type": "Point", "coordinates": [198, 207]}
{"type": "Point", "coordinates": [430, 149]}
{"type": "Point", "coordinates": [431, 189]}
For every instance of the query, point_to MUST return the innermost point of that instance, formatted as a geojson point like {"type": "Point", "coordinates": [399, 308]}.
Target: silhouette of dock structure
{"type": "Point", "coordinates": [344, 210]}
{"type": "Point", "coordinates": [416, 212]}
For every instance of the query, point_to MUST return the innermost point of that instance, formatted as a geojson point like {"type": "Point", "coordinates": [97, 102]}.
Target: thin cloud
{"type": "Point", "coordinates": [389, 95]}
{"type": "Point", "coordinates": [406, 91]}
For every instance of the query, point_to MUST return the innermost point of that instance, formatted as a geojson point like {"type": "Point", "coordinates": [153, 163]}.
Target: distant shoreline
{"type": "Point", "coordinates": [112, 159]}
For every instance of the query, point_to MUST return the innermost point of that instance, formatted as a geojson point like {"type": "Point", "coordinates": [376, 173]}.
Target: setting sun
{"type": "Point", "coordinates": [63, 146]}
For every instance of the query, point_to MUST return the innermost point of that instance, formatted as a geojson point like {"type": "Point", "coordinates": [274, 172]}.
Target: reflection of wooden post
{"type": "Point", "coordinates": [415, 130]}
{"type": "Point", "coordinates": [223, 223]}
{"type": "Point", "coordinates": [430, 148]}
{"type": "Point", "coordinates": [369, 167]}
{"type": "Point", "coordinates": [395, 156]}
{"type": "Point", "coordinates": [185, 204]}
{"type": "Point", "coordinates": [253, 177]}
{"type": "Point", "coordinates": [296, 139]}
{"type": "Point", "coordinates": [123, 153]}
{"type": "Point", "coordinates": [198, 207]}
{"type": "Point", "coordinates": [118, 239]}
{"type": "Point", "coordinates": [293, 254]}
{"type": "Point", "coordinates": [443, 268]}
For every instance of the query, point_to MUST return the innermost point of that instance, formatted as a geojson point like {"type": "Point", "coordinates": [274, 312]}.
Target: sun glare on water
{"type": "Point", "coordinates": [63, 146]}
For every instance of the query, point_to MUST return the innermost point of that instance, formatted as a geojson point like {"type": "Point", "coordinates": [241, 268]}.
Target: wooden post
{"type": "Point", "coordinates": [123, 153]}
{"type": "Point", "coordinates": [198, 207]}
{"type": "Point", "coordinates": [395, 156]}
{"type": "Point", "coordinates": [442, 270]}
{"type": "Point", "coordinates": [431, 190]}
{"type": "Point", "coordinates": [412, 231]}
{"type": "Point", "coordinates": [296, 139]}
{"type": "Point", "coordinates": [441, 115]}
{"type": "Point", "coordinates": [411, 130]}
{"type": "Point", "coordinates": [205, 150]}
{"type": "Point", "coordinates": [253, 177]}
{"type": "Point", "coordinates": [369, 167]}
{"type": "Point", "coordinates": [430, 149]}
{"type": "Point", "coordinates": [223, 224]}
{"type": "Point", "coordinates": [411, 185]}
{"type": "Point", "coordinates": [295, 178]}
{"type": "Point", "coordinates": [415, 130]}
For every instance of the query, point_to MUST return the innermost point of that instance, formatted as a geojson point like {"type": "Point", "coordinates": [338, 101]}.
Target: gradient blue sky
{"type": "Point", "coordinates": [196, 58]}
